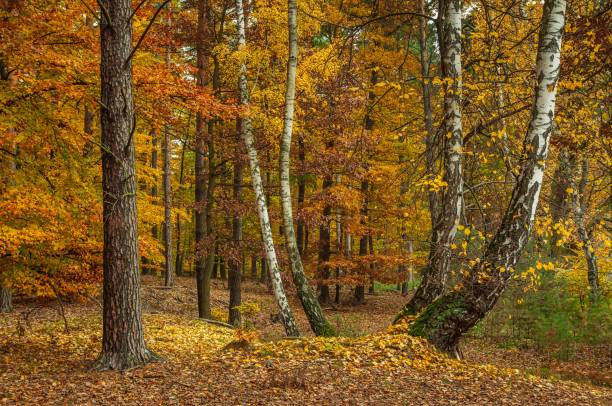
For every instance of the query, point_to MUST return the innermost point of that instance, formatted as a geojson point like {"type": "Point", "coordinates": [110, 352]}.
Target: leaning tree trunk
{"type": "Point", "coordinates": [123, 345]}
{"type": "Point", "coordinates": [167, 210]}
{"type": "Point", "coordinates": [320, 326]}
{"type": "Point", "coordinates": [451, 315]}
{"type": "Point", "coordinates": [262, 209]}
{"type": "Point", "coordinates": [579, 208]}
{"type": "Point", "coordinates": [449, 214]}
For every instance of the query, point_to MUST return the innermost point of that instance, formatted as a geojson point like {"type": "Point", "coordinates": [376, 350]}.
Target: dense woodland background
{"type": "Point", "coordinates": [311, 167]}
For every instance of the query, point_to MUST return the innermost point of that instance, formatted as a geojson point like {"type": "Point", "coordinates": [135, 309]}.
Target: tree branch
{"type": "Point", "coordinates": [129, 58]}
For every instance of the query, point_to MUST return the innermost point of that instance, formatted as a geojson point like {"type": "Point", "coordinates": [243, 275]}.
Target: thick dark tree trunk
{"type": "Point", "coordinates": [451, 315]}
{"type": "Point", "coordinates": [123, 345]}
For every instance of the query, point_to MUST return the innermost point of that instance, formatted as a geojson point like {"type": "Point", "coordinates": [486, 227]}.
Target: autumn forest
{"type": "Point", "coordinates": [314, 201]}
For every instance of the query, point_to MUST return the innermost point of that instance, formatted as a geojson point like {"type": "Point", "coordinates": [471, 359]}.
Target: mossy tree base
{"type": "Point", "coordinates": [446, 320]}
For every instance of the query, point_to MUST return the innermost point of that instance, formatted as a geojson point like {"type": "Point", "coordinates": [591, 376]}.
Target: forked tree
{"type": "Point", "coordinates": [454, 313]}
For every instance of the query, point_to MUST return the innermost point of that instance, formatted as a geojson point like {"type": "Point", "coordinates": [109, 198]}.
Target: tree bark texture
{"type": "Point", "coordinates": [312, 308]}
{"type": "Point", "coordinates": [449, 214]}
{"type": "Point", "coordinates": [451, 315]}
{"type": "Point", "coordinates": [168, 281]}
{"type": "Point", "coordinates": [123, 345]}
{"type": "Point", "coordinates": [262, 208]}
{"type": "Point", "coordinates": [200, 179]}
{"type": "Point", "coordinates": [235, 276]}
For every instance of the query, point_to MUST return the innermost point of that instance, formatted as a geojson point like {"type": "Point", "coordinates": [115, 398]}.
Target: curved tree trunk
{"type": "Point", "coordinates": [262, 208]}
{"type": "Point", "coordinates": [320, 326]}
{"type": "Point", "coordinates": [123, 345]}
{"type": "Point", "coordinates": [451, 315]}
{"type": "Point", "coordinates": [449, 214]}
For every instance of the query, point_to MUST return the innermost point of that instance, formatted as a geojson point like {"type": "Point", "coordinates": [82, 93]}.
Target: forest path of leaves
{"type": "Point", "coordinates": [40, 363]}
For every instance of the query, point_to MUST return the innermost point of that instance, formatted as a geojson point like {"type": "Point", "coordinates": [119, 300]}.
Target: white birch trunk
{"type": "Point", "coordinates": [262, 209]}
{"type": "Point", "coordinates": [309, 301]}
{"type": "Point", "coordinates": [449, 214]}
{"type": "Point", "coordinates": [453, 314]}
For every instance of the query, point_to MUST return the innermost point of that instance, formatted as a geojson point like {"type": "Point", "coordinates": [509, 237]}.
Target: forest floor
{"type": "Point", "coordinates": [42, 363]}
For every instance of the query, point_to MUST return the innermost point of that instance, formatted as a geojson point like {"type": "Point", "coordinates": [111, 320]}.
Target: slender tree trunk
{"type": "Point", "coordinates": [324, 249]}
{"type": "Point", "coordinates": [363, 241]}
{"type": "Point", "coordinates": [253, 267]}
{"type": "Point", "coordinates": [264, 275]}
{"type": "Point", "coordinates": [209, 221]}
{"type": "Point", "coordinates": [179, 255]}
{"type": "Point", "coordinates": [560, 201]}
{"type": "Point", "coordinates": [318, 323]}
{"type": "Point", "coordinates": [451, 315]}
{"type": "Point", "coordinates": [579, 207]}
{"type": "Point", "coordinates": [123, 345]}
{"type": "Point", "coordinates": [449, 215]}
{"type": "Point", "coordinates": [146, 264]}
{"type": "Point", "coordinates": [235, 277]}
{"type": "Point", "coordinates": [301, 196]}
{"type": "Point", "coordinates": [431, 144]}
{"type": "Point", "coordinates": [200, 186]}
{"type": "Point", "coordinates": [167, 210]}
{"type": "Point", "coordinates": [262, 208]}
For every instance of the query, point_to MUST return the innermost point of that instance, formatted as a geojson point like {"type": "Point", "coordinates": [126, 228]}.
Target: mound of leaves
{"type": "Point", "coordinates": [43, 363]}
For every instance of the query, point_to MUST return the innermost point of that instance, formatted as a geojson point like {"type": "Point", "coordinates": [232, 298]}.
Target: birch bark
{"type": "Point", "coordinates": [312, 308]}
{"type": "Point", "coordinates": [448, 214]}
{"type": "Point", "coordinates": [451, 315]}
{"type": "Point", "coordinates": [262, 208]}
